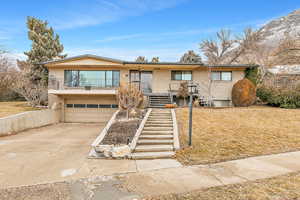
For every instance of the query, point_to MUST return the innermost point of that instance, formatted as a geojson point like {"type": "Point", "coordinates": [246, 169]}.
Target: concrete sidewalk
{"type": "Point", "coordinates": [189, 178]}
{"type": "Point", "coordinates": [156, 177]}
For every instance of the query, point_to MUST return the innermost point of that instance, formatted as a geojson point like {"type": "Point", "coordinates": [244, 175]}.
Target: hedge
{"type": "Point", "coordinates": [284, 98]}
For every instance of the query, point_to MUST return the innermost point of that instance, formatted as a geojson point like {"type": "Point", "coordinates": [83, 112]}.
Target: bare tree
{"type": "Point", "coordinates": [226, 49]}
{"type": "Point", "coordinates": [247, 44]}
{"type": "Point", "coordinates": [287, 52]}
{"type": "Point", "coordinates": [190, 57]}
{"type": "Point", "coordinates": [141, 59]}
{"type": "Point", "coordinates": [183, 91]}
{"type": "Point", "coordinates": [129, 98]}
{"type": "Point", "coordinates": [35, 94]}
{"type": "Point", "coordinates": [155, 59]}
{"type": "Point", "coordinates": [7, 76]}
{"type": "Point", "coordinates": [217, 50]}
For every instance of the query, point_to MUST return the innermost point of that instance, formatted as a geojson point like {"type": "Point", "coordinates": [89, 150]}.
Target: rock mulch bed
{"type": "Point", "coordinates": [123, 131]}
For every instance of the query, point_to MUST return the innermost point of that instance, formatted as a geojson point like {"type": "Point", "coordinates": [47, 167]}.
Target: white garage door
{"type": "Point", "coordinates": [89, 112]}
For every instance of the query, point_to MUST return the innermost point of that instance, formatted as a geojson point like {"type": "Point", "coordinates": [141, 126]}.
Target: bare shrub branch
{"type": "Point", "coordinates": [129, 98]}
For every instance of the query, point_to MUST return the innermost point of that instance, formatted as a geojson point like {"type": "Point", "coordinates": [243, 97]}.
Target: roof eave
{"type": "Point", "coordinates": [83, 56]}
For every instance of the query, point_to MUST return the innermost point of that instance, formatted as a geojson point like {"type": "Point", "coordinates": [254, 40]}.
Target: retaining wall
{"type": "Point", "coordinates": [32, 119]}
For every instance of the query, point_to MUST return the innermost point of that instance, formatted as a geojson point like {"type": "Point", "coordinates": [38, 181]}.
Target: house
{"type": "Point", "coordinates": [284, 69]}
{"type": "Point", "coordinates": [85, 86]}
{"type": "Point", "coordinates": [283, 76]}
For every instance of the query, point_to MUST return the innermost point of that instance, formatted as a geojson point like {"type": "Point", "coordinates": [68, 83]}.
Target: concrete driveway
{"type": "Point", "coordinates": [54, 153]}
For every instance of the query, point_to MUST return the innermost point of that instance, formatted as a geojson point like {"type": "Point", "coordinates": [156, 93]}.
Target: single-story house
{"type": "Point", "coordinates": [287, 76]}
{"type": "Point", "coordinates": [85, 86]}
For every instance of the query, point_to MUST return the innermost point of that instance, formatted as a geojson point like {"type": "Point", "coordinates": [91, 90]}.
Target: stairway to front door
{"type": "Point", "coordinates": [159, 101]}
{"type": "Point", "coordinates": [157, 137]}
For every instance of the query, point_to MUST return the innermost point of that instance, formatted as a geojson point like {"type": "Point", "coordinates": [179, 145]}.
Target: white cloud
{"type": "Point", "coordinates": [121, 37]}
{"type": "Point", "coordinates": [103, 11]}
{"type": "Point", "coordinates": [4, 33]}
{"type": "Point", "coordinates": [3, 37]}
{"type": "Point", "coordinates": [156, 36]}
{"type": "Point", "coordinates": [165, 54]}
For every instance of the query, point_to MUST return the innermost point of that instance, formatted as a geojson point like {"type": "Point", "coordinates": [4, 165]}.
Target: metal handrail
{"type": "Point", "coordinates": [57, 84]}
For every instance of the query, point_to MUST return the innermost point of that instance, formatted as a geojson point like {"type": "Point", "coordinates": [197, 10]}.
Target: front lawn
{"type": "Point", "coordinates": [14, 107]}
{"type": "Point", "coordinates": [286, 187]}
{"type": "Point", "coordinates": [233, 133]}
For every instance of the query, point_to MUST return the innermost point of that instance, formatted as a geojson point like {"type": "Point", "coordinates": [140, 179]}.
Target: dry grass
{"type": "Point", "coordinates": [285, 187]}
{"type": "Point", "coordinates": [10, 108]}
{"type": "Point", "coordinates": [233, 133]}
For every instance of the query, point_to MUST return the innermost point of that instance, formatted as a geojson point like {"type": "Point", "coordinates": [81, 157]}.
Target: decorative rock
{"type": "Point", "coordinates": [105, 149]}
{"type": "Point", "coordinates": [120, 151]}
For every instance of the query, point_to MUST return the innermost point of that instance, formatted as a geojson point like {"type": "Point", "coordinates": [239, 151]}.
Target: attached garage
{"type": "Point", "coordinates": [89, 108]}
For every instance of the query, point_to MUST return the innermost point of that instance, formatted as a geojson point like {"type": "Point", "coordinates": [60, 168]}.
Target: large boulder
{"type": "Point", "coordinates": [104, 149]}
{"type": "Point", "coordinates": [120, 151]}
{"type": "Point", "coordinates": [243, 93]}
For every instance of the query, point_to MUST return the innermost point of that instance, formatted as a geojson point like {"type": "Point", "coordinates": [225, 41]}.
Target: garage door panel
{"type": "Point", "coordinates": [88, 114]}
{"type": "Point", "coordinates": [89, 108]}
{"type": "Point", "coordinates": [91, 100]}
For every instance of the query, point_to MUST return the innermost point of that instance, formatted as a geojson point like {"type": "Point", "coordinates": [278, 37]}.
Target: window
{"type": "Point", "coordinates": [104, 78]}
{"type": "Point", "coordinates": [181, 75]}
{"type": "Point", "coordinates": [221, 76]}
{"type": "Point", "coordinates": [92, 106]}
{"type": "Point", "coordinates": [79, 105]}
{"type": "Point", "coordinates": [105, 106]}
{"type": "Point", "coordinates": [134, 76]}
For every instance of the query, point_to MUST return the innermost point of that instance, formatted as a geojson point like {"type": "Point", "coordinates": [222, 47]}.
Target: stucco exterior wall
{"type": "Point", "coordinates": [220, 89]}
{"type": "Point", "coordinates": [32, 119]}
{"type": "Point", "coordinates": [161, 80]}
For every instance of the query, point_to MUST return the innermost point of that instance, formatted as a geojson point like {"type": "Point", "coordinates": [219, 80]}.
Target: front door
{"type": "Point", "coordinates": [143, 79]}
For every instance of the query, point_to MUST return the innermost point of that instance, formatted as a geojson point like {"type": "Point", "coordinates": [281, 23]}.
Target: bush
{"type": "Point", "coordinates": [284, 98]}
{"type": "Point", "coordinates": [243, 93]}
{"type": "Point", "coordinates": [252, 74]}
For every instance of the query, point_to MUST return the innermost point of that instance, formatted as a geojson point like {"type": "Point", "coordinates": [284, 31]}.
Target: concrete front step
{"type": "Point", "coordinates": [154, 142]}
{"type": "Point", "coordinates": [160, 114]}
{"type": "Point", "coordinates": [152, 128]}
{"type": "Point", "coordinates": [159, 137]}
{"type": "Point", "coordinates": [159, 118]}
{"type": "Point", "coordinates": [160, 98]}
{"type": "Point", "coordinates": [159, 102]}
{"type": "Point", "coordinates": [153, 148]}
{"type": "Point", "coordinates": [152, 155]}
{"type": "Point", "coordinates": [157, 132]}
{"type": "Point", "coordinates": [158, 125]}
{"type": "Point", "coordinates": [159, 122]}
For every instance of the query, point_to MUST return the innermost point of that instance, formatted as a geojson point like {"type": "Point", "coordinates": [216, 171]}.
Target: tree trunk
{"type": "Point", "coordinates": [127, 114]}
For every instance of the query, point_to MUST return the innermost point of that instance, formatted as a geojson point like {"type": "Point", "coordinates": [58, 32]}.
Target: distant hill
{"type": "Point", "coordinates": [274, 30]}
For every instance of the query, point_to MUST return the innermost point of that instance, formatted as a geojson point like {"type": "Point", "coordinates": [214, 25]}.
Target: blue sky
{"type": "Point", "coordinates": [125, 29]}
